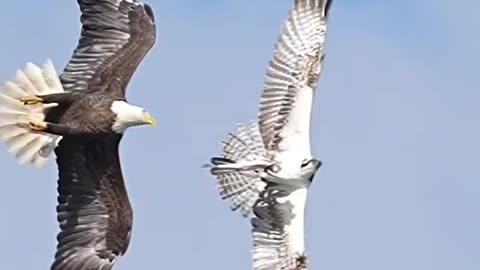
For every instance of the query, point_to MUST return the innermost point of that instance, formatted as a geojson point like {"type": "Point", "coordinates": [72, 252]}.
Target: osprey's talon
{"type": "Point", "coordinates": [31, 100]}
{"type": "Point", "coordinates": [38, 126]}
{"type": "Point", "coordinates": [301, 261]}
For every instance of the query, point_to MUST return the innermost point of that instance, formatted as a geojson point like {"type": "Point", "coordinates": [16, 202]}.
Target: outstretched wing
{"type": "Point", "coordinates": [277, 233]}
{"type": "Point", "coordinates": [292, 76]}
{"type": "Point", "coordinates": [116, 36]}
{"type": "Point", "coordinates": [94, 213]}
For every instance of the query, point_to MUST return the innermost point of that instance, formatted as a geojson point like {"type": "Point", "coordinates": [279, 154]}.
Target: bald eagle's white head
{"type": "Point", "coordinates": [127, 115]}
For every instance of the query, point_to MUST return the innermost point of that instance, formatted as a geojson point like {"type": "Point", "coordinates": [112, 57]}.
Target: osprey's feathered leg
{"type": "Point", "coordinates": [59, 98]}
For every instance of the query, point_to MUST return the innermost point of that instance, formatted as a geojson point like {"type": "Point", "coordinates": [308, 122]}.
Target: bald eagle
{"type": "Point", "coordinates": [81, 116]}
{"type": "Point", "coordinates": [267, 166]}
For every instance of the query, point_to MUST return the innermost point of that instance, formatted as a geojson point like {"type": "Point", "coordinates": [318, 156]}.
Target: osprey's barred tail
{"type": "Point", "coordinates": [27, 146]}
{"type": "Point", "coordinates": [238, 171]}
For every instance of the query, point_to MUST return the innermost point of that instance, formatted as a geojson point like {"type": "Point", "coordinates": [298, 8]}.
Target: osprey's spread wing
{"type": "Point", "coordinates": [277, 234]}
{"type": "Point", "coordinates": [116, 36]}
{"type": "Point", "coordinates": [94, 213]}
{"type": "Point", "coordinates": [291, 78]}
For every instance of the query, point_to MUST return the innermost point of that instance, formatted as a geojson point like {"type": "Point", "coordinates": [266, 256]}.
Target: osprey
{"type": "Point", "coordinates": [81, 116]}
{"type": "Point", "coordinates": [267, 166]}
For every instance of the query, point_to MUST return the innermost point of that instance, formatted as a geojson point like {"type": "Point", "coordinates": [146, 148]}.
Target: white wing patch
{"type": "Point", "coordinates": [28, 146]}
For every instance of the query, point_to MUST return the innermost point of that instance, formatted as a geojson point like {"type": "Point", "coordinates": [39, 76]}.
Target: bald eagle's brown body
{"type": "Point", "coordinates": [93, 209]}
{"type": "Point", "coordinates": [80, 114]}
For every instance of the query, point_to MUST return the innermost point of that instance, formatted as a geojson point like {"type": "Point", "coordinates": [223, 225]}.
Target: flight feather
{"type": "Point", "coordinates": [292, 76]}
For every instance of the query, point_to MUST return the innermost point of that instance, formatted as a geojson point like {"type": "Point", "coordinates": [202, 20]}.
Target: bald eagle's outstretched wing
{"type": "Point", "coordinates": [116, 36]}
{"type": "Point", "coordinates": [93, 207]}
{"type": "Point", "coordinates": [291, 78]}
{"type": "Point", "coordinates": [277, 233]}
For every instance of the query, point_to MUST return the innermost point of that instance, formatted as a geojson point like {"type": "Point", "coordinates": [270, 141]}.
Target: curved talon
{"type": "Point", "coordinates": [301, 261]}
{"type": "Point", "coordinates": [31, 100]}
{"type": "Point", "coordinates": [38, 126]}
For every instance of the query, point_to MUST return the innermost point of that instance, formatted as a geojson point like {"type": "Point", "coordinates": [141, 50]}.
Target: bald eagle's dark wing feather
{"type": "Point", "coordinates": [93, 209]}
{"type": "Point", "coordinates": [116, 36]}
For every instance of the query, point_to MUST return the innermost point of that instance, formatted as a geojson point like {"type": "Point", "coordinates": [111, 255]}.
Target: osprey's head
{"type": "Point", "coordinates": [309, 167]}
{"type": "Point", "coordinates": [127, 115]}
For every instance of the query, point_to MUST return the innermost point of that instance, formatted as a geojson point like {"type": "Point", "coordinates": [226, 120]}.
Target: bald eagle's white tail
{"type": "Point", "coordinates": [238, 171]}
{"type": "Point", "coordinates": [26, 145]}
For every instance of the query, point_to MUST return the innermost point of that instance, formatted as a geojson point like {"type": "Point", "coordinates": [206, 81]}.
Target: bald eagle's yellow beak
{"type": "Point", "coordinates": [149, 119]}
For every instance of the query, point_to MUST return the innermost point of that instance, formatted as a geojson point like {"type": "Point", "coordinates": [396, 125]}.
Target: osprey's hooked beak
{"type": "Point", "coordinates": [149, 119]}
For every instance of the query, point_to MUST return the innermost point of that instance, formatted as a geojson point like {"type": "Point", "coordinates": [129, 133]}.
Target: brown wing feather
{"type": "Point", "coordinates": [116, 36]}
{"type": "Point", "coordinates": [93, 209]}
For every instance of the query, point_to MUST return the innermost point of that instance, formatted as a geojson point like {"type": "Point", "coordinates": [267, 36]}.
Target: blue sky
{"type": "Point", "coordinates": [395, 124]}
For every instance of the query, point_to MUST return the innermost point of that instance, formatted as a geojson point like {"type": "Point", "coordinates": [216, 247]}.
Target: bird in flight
{"type": "Point", "coordinates": [267, 166]}
{"type": "Point", "coordinates": [82, 115]}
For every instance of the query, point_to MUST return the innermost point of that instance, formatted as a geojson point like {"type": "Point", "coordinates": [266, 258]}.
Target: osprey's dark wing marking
{"type": "Point", "coordinates": [116, 35]}
{"type": "Point", "coordinates": [93, 209]}
{"type": "Point", "coordinates": [274, 242]}
{"type": "Point", "coordinates": [292, 76]}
